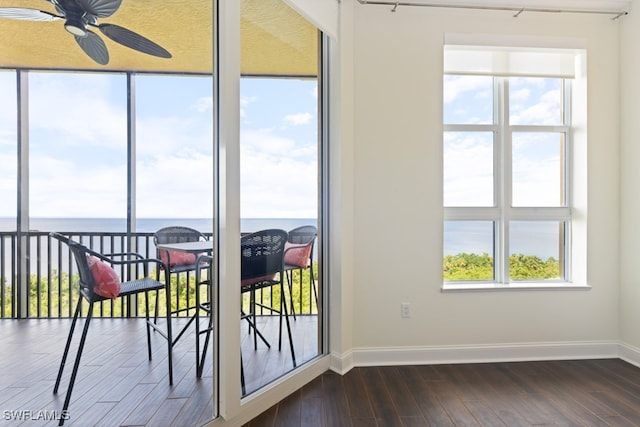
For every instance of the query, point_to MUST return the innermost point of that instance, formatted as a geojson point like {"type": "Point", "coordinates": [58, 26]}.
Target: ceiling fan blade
{"type": "Point", "coordinates": [25, 14]}
{"type": "Point", "coordinates": [93, 46]}
{"type": "Point", "coordinates": [100, 8]}
{"type": "Point", "coordinates": [133, 40]}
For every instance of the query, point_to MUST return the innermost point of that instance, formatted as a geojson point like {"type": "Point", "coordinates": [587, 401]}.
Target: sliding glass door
{"type": "Point", "coordinates": [280, 152]}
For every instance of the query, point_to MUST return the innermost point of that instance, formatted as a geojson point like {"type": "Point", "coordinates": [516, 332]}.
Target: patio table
{"type": "Point", "coordinates": [203, 250]}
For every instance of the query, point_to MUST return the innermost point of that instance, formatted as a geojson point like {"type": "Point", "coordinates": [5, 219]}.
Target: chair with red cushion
{"type": "Point", "coordinates": [175, 263]}
{"type": "Point", "coordinates": [262, 266]}
{"type": "Point", "coordinates": [98, 281]}
{"type": "Point", "coordinates": [298, 255]}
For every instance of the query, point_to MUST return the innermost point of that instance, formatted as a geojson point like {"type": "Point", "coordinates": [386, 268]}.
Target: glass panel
{"type": "Point", "coordinates": [174, 127]}
{"type": "Point", "coordinates": [78, 150]}
{"type": "Point", "coordinates": [536, 249]}
{"type": "Point", "coordinates": [468, 169]}
{"type": "Point", "coordinates": [279, 173]}
{"type": "Point", "coordinates": [538, 169]}
{"type": "Point", "coordinates": [8, 151]}
{"type": "Point", "coordinates": [468, 99]}
{"type": "Point", "coordinates": [468, 250]}
{"type": "Point", "coordinates": [279, 160]}
{"type": "Point", "coordinates": [535, 101]}
{"type": "Point", "coordinates": [174, 185]}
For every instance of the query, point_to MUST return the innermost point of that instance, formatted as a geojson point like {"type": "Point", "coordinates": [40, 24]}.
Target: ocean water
{"type": "Point", "coordinates": [531, 238]}
{"type": "Point", "coordinates": [539, 238]}
{"type": "Point", "coordinates": [149, 225]}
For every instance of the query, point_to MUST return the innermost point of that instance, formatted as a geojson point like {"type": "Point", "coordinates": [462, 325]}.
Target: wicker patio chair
{"type": "Point", "coordinates": [178, 262]}
{"type": "Point", "coordinates": [262, 266]}
{"type": "Point", "coordinates": [99, 281]}
{"type": "Point", "coordinates": [206, 306]}
{"type": "Point", "coordinates": [298, 255]}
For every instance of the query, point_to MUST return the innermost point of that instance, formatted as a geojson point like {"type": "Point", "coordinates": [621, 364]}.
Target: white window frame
{"type": "Point", "coordinates": [503, 212]}
{"type": "Point", "coordinates": [530, 56]}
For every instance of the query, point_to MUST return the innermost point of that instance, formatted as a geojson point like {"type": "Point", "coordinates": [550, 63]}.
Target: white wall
{"type": "Point", "coordinates": [630, 180]}
{"type": "Point", "coordinates": [398, 200]}
{"type": "Point", "coordinates": [386, 202]}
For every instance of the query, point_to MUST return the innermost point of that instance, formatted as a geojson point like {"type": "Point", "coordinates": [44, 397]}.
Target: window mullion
{"type": "Point", "coordinates": [503, 179]}
{"type": "Point", "coordinates": [531, 178]}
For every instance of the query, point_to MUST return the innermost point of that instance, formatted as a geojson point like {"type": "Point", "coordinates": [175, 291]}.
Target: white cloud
{"type": "Point", "coordinates": [468, 172]}
{"type": "Point", "coordinates": [78, 109]}
{"type": "Point", "coordinates": [175, 164]}
{"type": "Point", "coordinates": [298, 119]}
{"type": "Point", "coordinates": [535, 101]}
{"type": "Point", "coordinates": [63, 188]}
{"type": "Point", "coordinates": [203, 105]}
{"type": "Point", "coordinates": [278, 179]}
{"type": "Point", "coordinates": [456, 86]}
{"type": "Point", "coordinates": [244, 102]}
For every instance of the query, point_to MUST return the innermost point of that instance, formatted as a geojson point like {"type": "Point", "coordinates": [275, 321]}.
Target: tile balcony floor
{"type": "Point", "coordinates": [116, 384]}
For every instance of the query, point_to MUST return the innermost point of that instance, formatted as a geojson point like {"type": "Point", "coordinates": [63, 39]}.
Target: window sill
{"type": "Point", "coordinates": [529, 286]}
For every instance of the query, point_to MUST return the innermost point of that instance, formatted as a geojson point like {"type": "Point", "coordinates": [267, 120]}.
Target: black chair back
{"type": "Point", "coordinates": [303, 235]}
{"type": "Point", "coordinates": [262, 253]}
{"type": "Point", "coordinates": [80, 253]}
{"type": "Point", "coordinates": [177, 234]}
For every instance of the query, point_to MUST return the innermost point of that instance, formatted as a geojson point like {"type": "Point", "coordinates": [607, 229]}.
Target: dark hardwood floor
{"type": "Point", "coordinates": [118, 386]}
{"type": "Point", "coordinates": [550, 393]}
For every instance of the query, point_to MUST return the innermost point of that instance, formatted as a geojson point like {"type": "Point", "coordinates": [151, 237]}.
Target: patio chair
{"type": "Point", "coordinates": [298, 255]}
{"type": "Point", "coordinates": [178, 262]}
{"type": "Point", "coordinates": [98, 282]}
{"type": "Point", "coordinates": [207, 306]}
{"type": "Point", "coordinates": [262, 266]}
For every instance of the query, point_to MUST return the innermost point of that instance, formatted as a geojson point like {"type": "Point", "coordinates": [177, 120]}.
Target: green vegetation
{"type": "Point", "coordinates": [53, 296]}
{"type": "Point", "coordinates": [304, 300]}
{"type": "Point", "coordinates": [55, 301]}
{"type": "Point", "coordinates": [480, 267]}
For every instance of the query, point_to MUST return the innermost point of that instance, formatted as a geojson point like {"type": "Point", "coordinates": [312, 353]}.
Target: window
{"type": "Point", "coordinates": [77, 147]}
{"type": "Point", "coordinates": [174, 153]}
{"type": "Point", "coordinates": [8, 150]}
{"type": "Point", "coordinates": [507, 164]}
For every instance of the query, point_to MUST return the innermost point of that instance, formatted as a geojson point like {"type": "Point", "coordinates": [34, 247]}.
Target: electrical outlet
{"type": "Point", "coordinates": [404, 310]}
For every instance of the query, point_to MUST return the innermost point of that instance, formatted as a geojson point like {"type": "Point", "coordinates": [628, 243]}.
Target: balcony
{"type": "Point", "coordinates": [40, 283]}
{"type": "Point", "coordinates": [37, 296]}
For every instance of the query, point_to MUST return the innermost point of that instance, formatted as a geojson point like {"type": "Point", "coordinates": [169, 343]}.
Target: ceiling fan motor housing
{"type": "Point", "coordinates": [76, 19]}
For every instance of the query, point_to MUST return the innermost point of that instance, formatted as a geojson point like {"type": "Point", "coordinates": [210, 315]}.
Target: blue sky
{"type": "Point", "coordinates": [469, 155]}
{"type": "Point", "coordinates": [469, 168]}
{"type": "Point", "coordinates": [78, 146]}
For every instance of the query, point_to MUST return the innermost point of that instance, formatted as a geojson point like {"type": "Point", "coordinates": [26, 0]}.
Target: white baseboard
{"type": "Point", "coordinates": [630, 354]}
{"type": "Point", "coordinates": [480, 354]}
{"type": "Point", "coordinates": [341, 363]}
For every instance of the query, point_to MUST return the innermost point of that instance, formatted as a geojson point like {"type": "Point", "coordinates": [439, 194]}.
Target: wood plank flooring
{"type": "Point", "coordinates": [264, 365]}
{"type": "Point", "coordinates": [550, 393]}
{"type": "Point", "coordinates": [118, 386]}
{"type": "Point", "coordinates": [116, 383]}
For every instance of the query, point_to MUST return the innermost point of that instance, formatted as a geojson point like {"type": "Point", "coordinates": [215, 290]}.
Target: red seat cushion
{"type": "Point", "coordinates": [106, 280]}
{"type": "Point", "coordinates": [295, 254]}
{"type": "Point", "coordinates": [253, 280]}
{"type": "Point", "coordinates": [174, 258]}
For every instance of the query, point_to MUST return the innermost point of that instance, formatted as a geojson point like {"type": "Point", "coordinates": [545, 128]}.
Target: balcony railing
{"type": "Point", "coordinates": [38, 277]}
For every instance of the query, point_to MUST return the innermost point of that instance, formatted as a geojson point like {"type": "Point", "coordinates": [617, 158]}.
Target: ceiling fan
{"type": "Point", "coordinates": [79, 15]}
